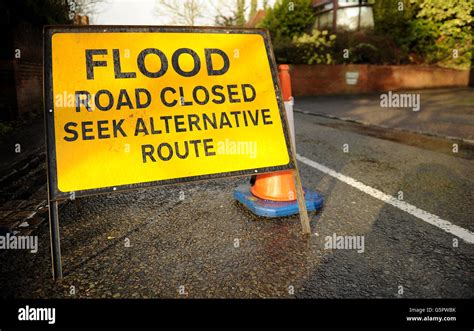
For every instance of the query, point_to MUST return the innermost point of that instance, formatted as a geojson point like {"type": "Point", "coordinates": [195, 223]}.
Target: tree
{"type": "Point", "coordinates": [85, 7]}
{"type": "Point", "coordinates": [288, 19]}
{"type": "Point", "coordinates": [430, 31]}
{"type": "Point", "coordinates": [442, 32]}
{"type": "Point", "coordinates": [231, 13]}
{"type": "Point", "coordinates": [393, 20]}
{"type": "Point", "coordinates": [185, 12]}
{"type": "Point", "coordinates": [222, 20]}
{"type": "Point", "coordinates": [265, 4]}
{"type": "Point", "coordinates": [394, 17]}
{"type": "Point", "coordinates": [253, 9]}
{"type": "Point", "coordinates": [37, 13]}
{"type": "Point", "coordinates": [240, 12]}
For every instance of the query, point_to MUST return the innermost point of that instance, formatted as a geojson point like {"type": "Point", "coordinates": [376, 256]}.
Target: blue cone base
{"type": "Point", "coordinates": [268, 208]}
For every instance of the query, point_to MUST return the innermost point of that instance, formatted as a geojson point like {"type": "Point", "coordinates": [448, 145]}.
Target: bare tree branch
{"type": "Point", "coordinates": [185, 12]}
{"type": "Point", "coordinates": [87, 7]}
{"type": "Point", "coordinates": [232, 13]}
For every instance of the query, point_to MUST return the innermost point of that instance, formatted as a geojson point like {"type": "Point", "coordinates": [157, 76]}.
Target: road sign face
{"type": "Point", "coordinates": [129, 107]}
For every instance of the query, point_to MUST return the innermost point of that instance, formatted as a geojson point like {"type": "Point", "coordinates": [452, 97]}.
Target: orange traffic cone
{"type": "Point", "coordinates": [274, 194]}
{"type": "Point", "coordinates": [278, 186]}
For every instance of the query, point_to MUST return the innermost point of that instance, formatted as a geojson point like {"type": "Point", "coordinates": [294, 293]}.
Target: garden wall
{"type": "Point", "coordinates": [307, 80]}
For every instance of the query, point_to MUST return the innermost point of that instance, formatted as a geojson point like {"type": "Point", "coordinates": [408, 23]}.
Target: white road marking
{"type": "Point", "coordinates": [449, 227]}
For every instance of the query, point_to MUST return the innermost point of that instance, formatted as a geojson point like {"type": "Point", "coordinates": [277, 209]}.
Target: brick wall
{"type": "Point", "coordinates": [21, 71]}
{"type": "Point", "coordinates": [29, 87]}
{"type": "Point", "coordinates": [309, 80]}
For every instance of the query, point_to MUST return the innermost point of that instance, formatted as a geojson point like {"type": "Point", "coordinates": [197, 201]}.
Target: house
{"type": "Point", "coordinates": [349, 15]}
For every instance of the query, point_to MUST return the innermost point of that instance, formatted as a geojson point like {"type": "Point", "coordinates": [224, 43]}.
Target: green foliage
{"type": "Point", "coordinates": [288, 19]}
{"type": "Point", "coordinates": [365, 53]}
{"type": "Point", "coordinates": [240, 14]}
{"type": "Point", "coordinates": [442, 33]}
{"type": "Point", "coordinates": [405, 31]}
{"type": "Point", "coordinates": [394, 17]}
{"type": "Point", "coordinates": [393, 20]}
{"type": "Point", "coordinates": [5, 128]}
{"type": "Point", "coordinates": [315, 47]}
{"type": "Point", "coordinates": [429, 31]}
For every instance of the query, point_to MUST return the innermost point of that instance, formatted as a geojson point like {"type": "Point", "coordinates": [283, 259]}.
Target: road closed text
{"type": "Point", "coordinates": [169, 97]}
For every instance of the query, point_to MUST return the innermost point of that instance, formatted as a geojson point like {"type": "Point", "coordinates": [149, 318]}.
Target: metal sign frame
{"type": "Point", "coordinates": [55, 195]}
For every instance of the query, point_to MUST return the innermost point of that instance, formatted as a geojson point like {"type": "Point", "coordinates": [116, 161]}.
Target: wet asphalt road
{"type": "Point", "coordinates": [445, 112]}
{"type": "Point", "coordinates": [152, 244]}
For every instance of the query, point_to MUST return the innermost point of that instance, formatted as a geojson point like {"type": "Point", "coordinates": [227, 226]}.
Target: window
{"type": "Point", "coordinates": [351, 14]}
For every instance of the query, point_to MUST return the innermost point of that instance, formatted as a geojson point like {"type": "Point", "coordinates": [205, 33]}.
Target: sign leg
{"type": "Point", "coordinates": [55, 240]}
{"type": "Point", "coordinates": [301, 203]}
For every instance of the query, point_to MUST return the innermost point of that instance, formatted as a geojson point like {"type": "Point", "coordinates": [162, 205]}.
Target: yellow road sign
{"type": "Point", "coordinates": [138, 106]}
